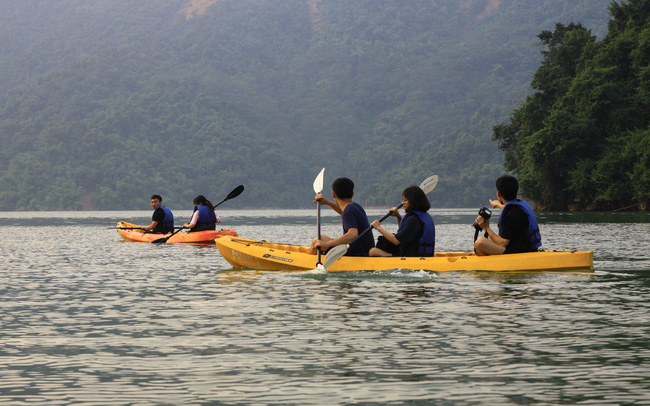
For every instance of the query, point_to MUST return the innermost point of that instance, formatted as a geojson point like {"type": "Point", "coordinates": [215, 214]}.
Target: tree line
{"type": "Point", "coordinates": [582, 140]}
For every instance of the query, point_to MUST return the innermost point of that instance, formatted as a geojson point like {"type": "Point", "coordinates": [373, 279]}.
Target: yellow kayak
{"type": "Point", "coordinates": [253, 254]}
{"type": "Point", "coordinates": [199, 237]}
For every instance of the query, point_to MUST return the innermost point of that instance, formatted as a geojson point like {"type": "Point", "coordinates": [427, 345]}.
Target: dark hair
{"type": "Point", "coordinates": [202, 201]}
{"type": "Point", "coordinates": [508, 186]}
{"type": "Point", "coordinates": [417, 198]}
{"type": "Point", "coordinates": [343, 187]}
{"type": "Point", "coordinates": [156, 197]}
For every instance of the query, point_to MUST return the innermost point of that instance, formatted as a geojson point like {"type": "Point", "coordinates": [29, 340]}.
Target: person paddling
{"type": "Point", "coordinates": [204, 216]}
{"type": "Point", "coordinates": [416, 236]}
{"type": "Point", "coordinates": [353, 217]}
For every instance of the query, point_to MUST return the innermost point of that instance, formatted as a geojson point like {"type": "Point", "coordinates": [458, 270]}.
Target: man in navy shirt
{"type": "Point", "coordinates": [353, 217]}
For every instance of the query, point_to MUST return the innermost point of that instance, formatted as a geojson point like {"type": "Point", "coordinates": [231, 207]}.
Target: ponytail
{"type": "Point", "coordinates": [201, 200]}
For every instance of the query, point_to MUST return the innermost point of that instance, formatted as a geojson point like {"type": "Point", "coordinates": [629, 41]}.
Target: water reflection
{"type": "Point", "coordinates": [88, 319]}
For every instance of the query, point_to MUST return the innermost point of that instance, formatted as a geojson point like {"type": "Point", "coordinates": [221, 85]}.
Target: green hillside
{"type": "Point", "coordinates": [582, 140]}
{"type": "Point", "coordinates": [104, 103]}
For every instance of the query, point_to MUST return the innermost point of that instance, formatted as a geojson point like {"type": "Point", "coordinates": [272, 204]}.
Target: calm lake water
{"type": "Point", "coordinates": [89, 319]}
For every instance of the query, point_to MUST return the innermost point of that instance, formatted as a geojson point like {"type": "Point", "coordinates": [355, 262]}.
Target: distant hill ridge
{"type": "Point", "coordinates": [104, 103]}
{"type": "Point", "coordinates": [196, 8]}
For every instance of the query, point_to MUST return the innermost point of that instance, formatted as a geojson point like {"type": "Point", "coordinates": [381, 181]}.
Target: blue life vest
{"type": "Point", "coordinates": [207, 219]}
{"type": "Point", "coordinates": [427, 242]}
{"type": "Point", "coordinates": [532, 233]}
{"type": "Point", "coordinates": [168, 222]}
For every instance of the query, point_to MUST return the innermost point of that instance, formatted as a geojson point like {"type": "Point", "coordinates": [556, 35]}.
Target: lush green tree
{"type": "Point", "coordinates": [579, 141]}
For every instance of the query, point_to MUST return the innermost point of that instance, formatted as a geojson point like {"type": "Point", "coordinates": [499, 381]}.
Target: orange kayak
{"type": "Point", "coordinates": [199, 237]}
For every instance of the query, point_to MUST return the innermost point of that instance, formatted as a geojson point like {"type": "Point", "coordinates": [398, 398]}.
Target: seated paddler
{"type": "Point", "coordinates": [162, 219]}
{"type": "Point", "coordinates": [204, 216]}
{"type": "Point", "coordinates": [416, 235]}
{"type": "Point", "coordinates": [353, 220]}
{"type": "Point", "coordinates": [518, 227]}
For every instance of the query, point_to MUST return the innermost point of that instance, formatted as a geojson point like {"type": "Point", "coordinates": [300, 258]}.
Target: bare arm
{"type": "Point", "coordinates": [387, 234]}
{"type": "Point", "coordinates": [496, 204]}
{"type": "Point", "coordinates": [151, 226]}
{"type": "Point", "coordinates": [328, 202]}
{"type": "Point", "coordinates": [344, 239]}
{"type": "Point", "coordinates": [496, 238]}
{"type": "Point", "coordinates": [192, 223]}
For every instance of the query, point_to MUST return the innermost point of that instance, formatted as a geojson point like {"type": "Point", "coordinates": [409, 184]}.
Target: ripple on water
{"type": "Point", "coordinates": [92, 320]}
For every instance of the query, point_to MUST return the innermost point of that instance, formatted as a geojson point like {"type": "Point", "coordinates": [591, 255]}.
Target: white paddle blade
{"type": "Point", "coordinates": [318, 182]}
{"type": "Point", "coordinates": [429, 184]}
{"type": "Point", "coordinates": [320, 269]}
{"type": "Point", "coordinates": [334, 254]}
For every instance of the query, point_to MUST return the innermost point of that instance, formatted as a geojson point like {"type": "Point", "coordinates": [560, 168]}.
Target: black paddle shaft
{"type": "Point", "coordinates": [164, 239]}
{"type": "Point", "coordinates": [380, 220]}
{"type": "Point", "coordinates": [318, 250]}
{"type": "Point", "coordinates": [236, 192]}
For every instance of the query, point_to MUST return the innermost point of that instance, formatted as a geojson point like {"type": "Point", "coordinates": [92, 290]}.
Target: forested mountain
{"type": "Point", "coordinates": [103, 103]}
{"type": "Point", "coordinates": [582, 140]}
